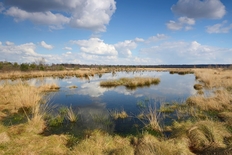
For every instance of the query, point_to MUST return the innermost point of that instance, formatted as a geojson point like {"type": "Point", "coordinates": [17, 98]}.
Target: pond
{"type": "Point", "coordinates": [94, 104]}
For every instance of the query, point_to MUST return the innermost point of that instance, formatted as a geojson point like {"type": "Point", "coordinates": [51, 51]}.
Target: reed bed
{"type": "Point", "coordinates": [131, 82]}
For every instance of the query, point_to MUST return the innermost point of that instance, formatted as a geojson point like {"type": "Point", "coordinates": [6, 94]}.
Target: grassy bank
{"type": "Point", "coordinates": [202, 125]}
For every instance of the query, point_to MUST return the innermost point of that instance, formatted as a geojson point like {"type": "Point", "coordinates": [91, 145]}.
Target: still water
{"type": "Point", "coordinates": [90, 99]}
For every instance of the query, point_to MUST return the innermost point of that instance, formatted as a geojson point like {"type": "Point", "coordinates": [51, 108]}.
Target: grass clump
{"type": "Point", "coordinates": [149, 144]}
{"type": "Point", "coordinates": [72, 87]}
{"type": "Point", "coordinates": [71, 116]}
{"type": "Point", "coordinates": [102, 143]}
{"type": "Point", "coordinates": [119, 114]}
{"type": "Point", "coordinates": [198, 86]}
{"type": "Point", "coordinates": [131, 82]}
{"type": "Point", "coordinates": [49, 87]}
{"type": "Point", "coordinates": [202, 135]}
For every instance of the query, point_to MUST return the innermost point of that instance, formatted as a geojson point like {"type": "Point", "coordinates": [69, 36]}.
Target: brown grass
{"type": "Point", "coordinates": [19, 95]}
{"type": "Point", "coordinates": [131, 82]}
{"type": "Point", "coordinates": [34, 74]}
{"type": "Point", "coordinates": [198, 86]}
{"type": "Point", "coordinates": [214, 77]}
{"type": "Point", "coordinates": [119, 114]}
{"type": "Point", "coordinates": [102, 143]}
{"type": "Point", "coordinates": [149, 144]}
{"type": "Point", "coordinates": [49, 87]}
{"type": "Point", "coordinates": [221, 100]}
{"type": "Point", "coordinates": [202, 135]}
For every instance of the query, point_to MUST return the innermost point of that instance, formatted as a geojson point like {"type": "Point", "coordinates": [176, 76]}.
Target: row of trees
{"type": "Point", "coordinates": [8, 66]}
{"type": "Point", "coordinates": [40, 64]}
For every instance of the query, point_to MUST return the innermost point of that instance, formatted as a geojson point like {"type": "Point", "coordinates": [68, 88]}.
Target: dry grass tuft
{"type": "Point", "coordinates": [20, 95]}
{"type": "Point", "coordinates": [117, 114]}
{"type": "Point", "coordinates": [198, 86]}
{"type": "Point", "coordinates": [202, 135]}
{"type": "Point", "coordinates": [149, 144]}
{"type": "Point", "coordinates": [71, 116]}
{"type": "Point", "coordinates": [49, 87]}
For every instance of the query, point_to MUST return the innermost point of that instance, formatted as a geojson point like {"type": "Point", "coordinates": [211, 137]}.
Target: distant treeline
{"type": "Point", "coordinates": [41, 65]}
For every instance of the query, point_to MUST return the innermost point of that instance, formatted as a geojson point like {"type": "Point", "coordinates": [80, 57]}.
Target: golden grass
{"type": "Point", "coordinates": [131, 82]}
{"type": "Point", "coordinates": [149, 144]}
{"type": "Point", "coordinates": [49, 87]}
{"type": "Point", "coordinates": [27, 143]}
{"type": "Point", "coordinates": [202, 135]}
{"type": "Point", "coordinates": [102, 143]}
{"type": "Point", "coordinates": [34, 74]}
{"type": "Point", "coordinates": [214, 77]}
{"type": "Point", "coordinates": [19, 95]}
{"type": "Point", "coordinates": [221, 100]}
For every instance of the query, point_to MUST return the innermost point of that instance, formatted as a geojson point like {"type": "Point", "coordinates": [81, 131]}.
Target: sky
{"type": "Point", "coordinates": [116, 32]}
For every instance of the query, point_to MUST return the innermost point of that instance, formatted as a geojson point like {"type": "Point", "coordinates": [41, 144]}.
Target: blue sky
{"type": "Point", "coordinates": [116, 32]}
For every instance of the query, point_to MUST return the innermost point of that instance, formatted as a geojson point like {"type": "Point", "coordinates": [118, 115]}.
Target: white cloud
{"type": "Point", "coordinates": [1, 7]}
{"type": "Point", "coordinates": [156, 38]}
{"type": "Point", "coordinates": [19, 53]}
{"type": "Point", "coordinates": [96, 46]}
{"type": "Point", "coordinates": [213, 9]}
{"type": "Point", "coordinates": [219, 28]}
{"type": "Point", "coordinates": [139, 40]}
{"type": "Point", "coordinates": [67, 48]}
{"type": "Point", "coordinates": [183, 22]}
{"type": "Point", "coordinates": [46, 18]}
{"type": "Point", "coordinates": [87, 14]}
{"type": "Point", "coordinates": [8, 43]}
{"type": "Point", "coordinates": [45, 45]}
{"type": "Point", "coordinates": [187, 53]}
{"type": "Point", "coordinates": [124, 48]}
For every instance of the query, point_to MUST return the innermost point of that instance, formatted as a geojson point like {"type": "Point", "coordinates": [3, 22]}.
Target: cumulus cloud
{"type": "Point", "coordinates": [219, 28]}
{"type": "Point", "coordinates": [213, 9]}
{"type": "Point", "coordinates": [96, 46]}
{"type": "Point", "coordinates": [45, 45]}
{"type": "Point", "coordinates": [47, 18]}
{"type": "Point", "coordinates": [19, 53]}
{"type": "Point", "coordinates": [67, 48]}
{"type": "Point", "coordinates": [187, 53]}
{"type": "Point", "coordinates": [124, 48]}
{"type": "Point", "coordinates": [183, 22]}
{"type": "Point", "coordinates": [87, 14]}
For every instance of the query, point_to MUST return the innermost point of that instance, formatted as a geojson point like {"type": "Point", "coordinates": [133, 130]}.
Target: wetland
{"type": "Point", "coordinates": [131, 116]}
